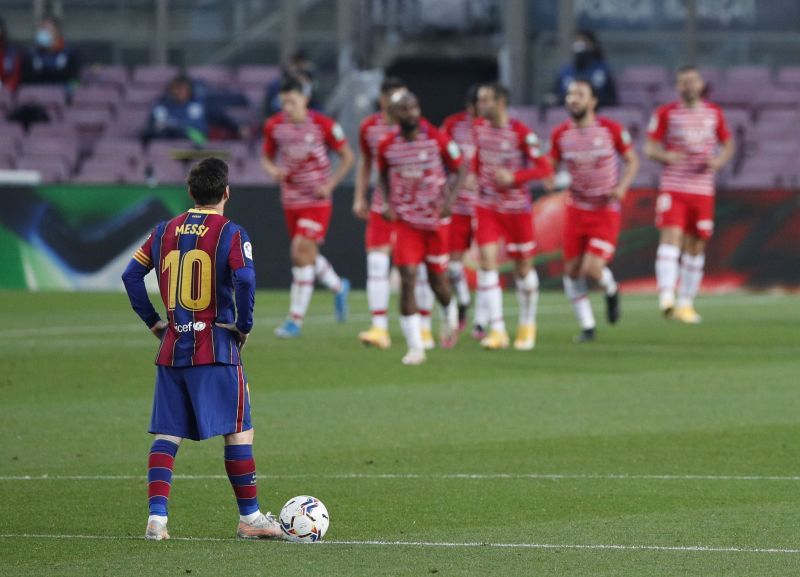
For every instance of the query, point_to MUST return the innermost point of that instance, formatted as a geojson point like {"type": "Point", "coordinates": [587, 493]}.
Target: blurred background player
{"type": "Point", "coordinates": [296, 145]}
{"type": "Point", "coordinates": [418, 196]}
{"type": "Point", "coordinates": [691, 139]}
{"type": "Point", "coordinates": [458, 127]}
{"type": "Point", "coordinates": [507, 157]}
{"type": "Point", "coordinates": [588, 145]}
{"type": "Point", "coordinates": [588, 62]}
{"type": "Point", "coordinates": [379, 234]}
{"type": "Point", "coordinates": [202, 261]}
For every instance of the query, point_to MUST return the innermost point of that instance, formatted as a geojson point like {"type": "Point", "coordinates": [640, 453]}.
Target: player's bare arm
{"type": "Point", "coordinates": [503, 177]}
{"type": "Point", "coordinates": [277, 173]}
{"type": "Point", "coordinates": [631, 161]}
{"type": "Point", "coordinates": [388, 213]}
{"type": "Point", "coordinates": [454, 183]}
{"type": "Point", "coordinates": [346, 161]}
{"type": "Point", "coordinates": [654, 150]}
{"type": "Point", "coordinates": [726, 152]}
{"type": "Point", "coordinates": [363, 172]}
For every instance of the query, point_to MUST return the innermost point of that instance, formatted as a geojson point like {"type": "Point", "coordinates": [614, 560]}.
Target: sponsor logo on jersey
{"type": "Point", "coordinates": [189, 327]}
{"type": "Point", "coordinates": [248, 250]}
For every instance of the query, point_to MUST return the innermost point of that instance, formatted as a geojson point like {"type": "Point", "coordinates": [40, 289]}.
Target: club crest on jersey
{"type": "Point", "coordinates": [338, 133]}
{"type": "Point", "coordinates": [626, 137]}
{"type": "Point", "coordinates": [453, 150]}
{"type": "Point", "coordinates": [248, 250]}
{"type": "Point", "coordinates": [531, 139]}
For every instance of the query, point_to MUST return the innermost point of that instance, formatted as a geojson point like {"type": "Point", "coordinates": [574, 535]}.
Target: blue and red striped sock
{"type": "Point", "coordinates": [159, 475]}
{"type": "Point", "coordinates": [241, 469]}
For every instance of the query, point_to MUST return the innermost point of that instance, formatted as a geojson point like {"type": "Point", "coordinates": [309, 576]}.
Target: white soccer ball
{"type": "Point", "coordinates": [304, 518]}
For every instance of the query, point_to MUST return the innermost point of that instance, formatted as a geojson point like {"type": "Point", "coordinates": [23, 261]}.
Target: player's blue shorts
{"type": "Point", "coordinates": [200, 402]}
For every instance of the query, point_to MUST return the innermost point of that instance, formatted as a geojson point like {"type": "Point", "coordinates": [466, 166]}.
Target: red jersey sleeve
{"type": "Point", "coordinates": [723, 133]}
{"type": "Point", "coordinates": [332, 132]}
{"type": "Point", "coordinates": [622, 138]}
{"type": "Point", "coordinates": [381, 159]}
{"type": "Point", "coordinates": [451, 153]}
{"type": "Point", "coordinates": [363, 144]}
{"type": "Point", "coordinates": [529, 145]}
{"type": "Point", "coordinates": [270, 146]}
{"type": "Point", "coordinates": [555, 143]}
{"type": "Point", "coordinates": [142, 254]}
{"type": "Point", "coordinates": [657, 128]}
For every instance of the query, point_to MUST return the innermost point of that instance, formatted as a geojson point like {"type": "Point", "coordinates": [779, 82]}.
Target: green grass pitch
{"type": "Point", "coordinates": [661, 449]}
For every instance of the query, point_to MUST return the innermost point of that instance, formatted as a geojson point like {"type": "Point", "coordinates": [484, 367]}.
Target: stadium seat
{"type": "Point", "coordinates": [53, 167]}
{"type": "Point", "coordinates": [214, 75]}
{"type": "Point", "coordinates": [252, 76]}
{"type": "Point", "coordinates": [88, 118]}
{"type": "Point", "coordinates": [93, 96]}
{"type": "Point", "coordinates": [50, 96]}
{"type": "Point", "coordinates": [105, 75]}
{"type": "Point", "coordinates": [65, 146]}
{"type": "Point", "coordinates": [153, 76]}
{"type": "Point", "coordinates": [789, 76]}
{"type": "Point", "coordinates": [747, 77]}
{"type": "Point", "coordinates": [652, 78]}
{"type": "Point", "coordinates": [143, 95]}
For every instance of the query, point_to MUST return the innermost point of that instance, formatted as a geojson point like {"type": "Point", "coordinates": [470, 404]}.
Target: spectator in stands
{"type": "Point", "coordinates": [589, 63]}
{"type": "Point", "coordinates": [301, 68]}
{"type": "Point", "coordinates": [178, 114]}
{"type": "Point", "coordinates": [51, 60]}
{"type": "Point", "coordinates": [10, 61]}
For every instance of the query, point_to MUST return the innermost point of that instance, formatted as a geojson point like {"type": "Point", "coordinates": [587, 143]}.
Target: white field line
{"type": "Point", "coordinates": [663, 548]}
{"type": "Point", "coordinates": [430, 477]}
{"type": "Point", "coordinates": [327, 319]}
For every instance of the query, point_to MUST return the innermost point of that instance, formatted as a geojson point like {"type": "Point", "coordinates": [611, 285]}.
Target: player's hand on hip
{"type": "Point", "coordinates": [618, 193]}
{"type": "Point", "coordinates": [388, 214]}
{"type": "Point", "coordinates": [360, 209]}
{"type": "Point", "coordinates": [241, 338]}
{"type": "Point", "coordinates": [159, 329]}
{"type": "Point", "coordinates": [445, 211]}
{"type": "Point", "coordinates": [278, 175]}
{"type": "Point", "coordinates": [714, 163]}
{"type": "Point", "coordinates": [503, 177]}
{"type": "Point", "coordinates": [324, 191]}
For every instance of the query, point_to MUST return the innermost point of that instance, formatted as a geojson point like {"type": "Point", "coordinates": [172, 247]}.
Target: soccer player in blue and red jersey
{"type": "Point", "coordinates": [204, 266]}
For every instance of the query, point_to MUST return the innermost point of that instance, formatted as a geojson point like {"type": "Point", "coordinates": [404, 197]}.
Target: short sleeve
{"type": "Point", "coordinates": [363, 144]}
{"type": "Point", "coordinates": [555, 145]}
{"type": "Point", "coordinates": [657, 127]}
{"type": "Point", "coordinates": [622, 138]}
{"type": "Point", "coordinates": [270, 146]}
{"type": "Point", "coordinates": [450, 151]}
{"type": "Point", "coordinates": [529, 143]}
{"type": "Point", "coordinates": [240, 254]}
{"type": "Point", "coordinates": [333, 133]}
{"type": "Point", "coordinates": [723, 133]}
{"type": "Point", "coordinates": [142, 254]}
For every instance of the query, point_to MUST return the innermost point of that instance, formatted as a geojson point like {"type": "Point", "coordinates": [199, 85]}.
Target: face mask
{"type": "Point", "coordinates": [44, 38]}
{"type": "Point", "coordinates": [579, 46]}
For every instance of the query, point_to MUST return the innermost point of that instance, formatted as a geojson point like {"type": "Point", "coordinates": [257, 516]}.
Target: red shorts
{"type": "Point", "coordinates": [310, 222]}
{"type": "Point", "coordinates": [413, 246]}
{"type": "Point", "coordinates": [380, 232]}
{"type": "Point", "coordinates": [593, 231]}
{"type": "Point", "coordinates": [693, 213]}
{"type": "Point", "coordinates": [515, 228]}
{"type": "Point", "coordinates": [460, 233]}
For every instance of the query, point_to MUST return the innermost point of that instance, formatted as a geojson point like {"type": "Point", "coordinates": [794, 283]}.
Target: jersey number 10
{"type": "Point", "coordinates": [189, 279]}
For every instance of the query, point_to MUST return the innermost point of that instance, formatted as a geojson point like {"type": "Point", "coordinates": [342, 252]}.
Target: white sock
{"type": "Point", "coordinates": [412, 331]}
{"type": "Point", "coordinates": [159, 518]}
{"type": "Point", "coordinates": [691, 277]}
{"type": "Point", "coordinates": [577, 293]}
{"type": "Point", "coordinates": [251, 517]}
{"type": "Point", "coordinates": [326, 275]}
{"type": "Point", "coordinates": [481, 307]}
{"type": "Point", "coordinates": [489, 284]}
{"type": "Point", "coordinates": [378, 288]}
{"type": "Point", "coordinates": [425, 297]}
{"type": "Point", "coordinates": [607, 282]}
{"type": "Point", "coordinates": [667, 268]}
{"type": "Point", "coordinates": [459, 282]}
{"type": "Point", "coordinates": [450, 314]}
{"type": "Point", "coordinates": [528, 297]}
{"type": "Point", "coordinates": [302, 289]}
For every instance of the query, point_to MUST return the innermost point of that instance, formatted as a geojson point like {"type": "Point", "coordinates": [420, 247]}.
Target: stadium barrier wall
{"type": "Point", "coordinates": [76, 237]}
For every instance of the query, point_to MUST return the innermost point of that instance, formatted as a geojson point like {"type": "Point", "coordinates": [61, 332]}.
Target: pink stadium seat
{"type": "Point", "coordinates": [778, 98]}
{"type": "Point", "coordinates": [651, 77]}
{"type": "Point", "coordinates": [129, 149]}
{"type": "Point", "coordinates": [748, 76]}
{"type": "Point", "coordinates": [102, 171]}
{"type": "Point", "coordinates": [528, 115]}
{"type": "Point", "coordinates": [143, 95]}
{"type": "Point", "coordinates": [8, 161]}
{"type": "Point", "coordinates": [93, 96]}
{"type": "Point", "coordinates": [169, 171]}
{"type": "Point", "coordinates": [67, 147]}
{"type": "Point", "coordinates": [10, 136]}
{"type": "Point", "coordinates": [154, 76]}
{"type": "Point", "coordinates": [51, 129]}
{"type": "Point", "coordinates": [130, 122]}
{"type": "Point", "coordinates": [105, 75]}
{"type": "Point", "coordinates": [251, 76]}
{"type": "Point", "coordinates": [251, 173]}
{"type": "Point", "coordinates": [711, 76]}
{"type": "Point", "coordinates": [215, 75]}
{"type": "Point", "coordinates": [789, 75]}
{"type": "Point", "coordinates": [50, 96]}
{"type": "Point", "coordinates": [53, 168]}
{"type": "Point", "coordinates": [87, 118]}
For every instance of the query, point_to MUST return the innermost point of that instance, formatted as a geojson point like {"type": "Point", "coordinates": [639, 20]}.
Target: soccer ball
{"type": "Point", "coordinates": [304, 518]}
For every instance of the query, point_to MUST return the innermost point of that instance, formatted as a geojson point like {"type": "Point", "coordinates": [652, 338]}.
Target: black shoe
{"type": "Point", "coordinates": [586, 336]}
{"type": "Point", "coordinates": [612, 307]}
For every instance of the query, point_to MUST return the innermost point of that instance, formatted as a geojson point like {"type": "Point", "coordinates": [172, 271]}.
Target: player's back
{"type": "Point", "coordinates": [195, 255]}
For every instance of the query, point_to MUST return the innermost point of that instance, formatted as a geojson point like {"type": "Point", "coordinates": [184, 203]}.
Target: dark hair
{"type": "Point", "coordinates": [207, 181]}
{"type": "Point", "coordinates": [592, 37]}
{"type": "Point", "coordinates": [499, 90]}
{"type": "Point", "coordinates": [390, 84]}
{"type": "Point", "coordinates": [587, 82]}
{"type": "Point", "coordinates": [687, 68]}
{"type": "Point", "coordinates": [292, 84]}
{"type": "Point", "coordinates": [471, 97]}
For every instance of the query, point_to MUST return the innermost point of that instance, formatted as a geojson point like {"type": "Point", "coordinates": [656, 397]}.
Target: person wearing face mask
{"type": "Point", "coordinates": [50, 60]}
{"type": "Point", "coordinates": [10, 61]}
{"type": "Point", "coordinates": [589, 63]}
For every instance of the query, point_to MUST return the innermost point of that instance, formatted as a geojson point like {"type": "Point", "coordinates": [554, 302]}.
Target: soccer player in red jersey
{"type": "Point", "coordinates": [589, 146]}
{"type": "Point", "coordinates": [418, 196]}
{"type": "Point", "coordinates": [296, 145]}
{"type": "Point", "coordinates": [507, 157]}
{"type": "Point", "coordinates": [379, 235]}
{"type": "Point", "coordinates": [458, 127]}
{"type": "Point", "coordinates": [691, 139]}
{"type": "Point", "coordinates": [204, 266]}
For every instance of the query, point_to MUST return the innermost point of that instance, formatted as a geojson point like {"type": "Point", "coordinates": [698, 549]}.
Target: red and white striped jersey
{"type": "Point", "coordinates": [417, 173]}
{"type": "Point", "coordinates": [513, 147]}
{"type": "Point", "coordinates": [302, 151]}
{"type": "Point", "coordinates": [372, 131]}
{"type": "Point", "coordinates": [458, 127]}
{"type": "Point", "coordinates": [590, 155]}
{"type": "Point", "coordinates": [695, 131]}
